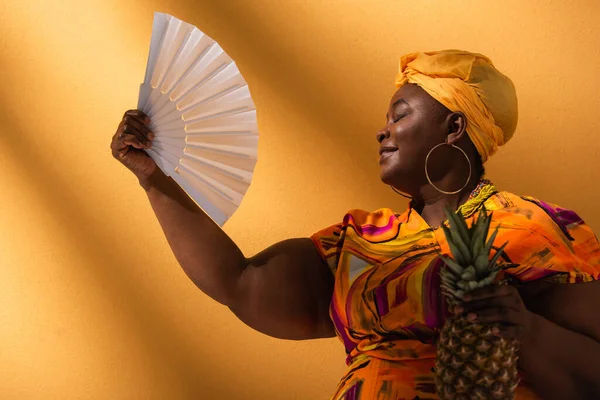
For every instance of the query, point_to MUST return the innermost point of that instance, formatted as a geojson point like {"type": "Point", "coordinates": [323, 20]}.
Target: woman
{"type": "Point", "coordinates": [374, 278]}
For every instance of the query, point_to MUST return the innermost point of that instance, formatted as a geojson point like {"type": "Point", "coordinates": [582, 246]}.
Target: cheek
{"type": "Point", "coordinates": [406, 131]}
{"type": "Point", "coordinates": [408, 140]}
{"type": "Point", "coordinates": [413, 147]}
{"type": "Point", "coordinates": [416, 138]}
{"type": "Point", "coordinates": [409, 160]}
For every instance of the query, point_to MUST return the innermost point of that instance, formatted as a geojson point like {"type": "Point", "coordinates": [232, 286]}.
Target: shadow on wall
{"type": "Point", "coordinates": [139, 312]}
{"type": "Point", "coordinates": [108, 268]}
{"type": "Point", "coordinates": [294, 80]}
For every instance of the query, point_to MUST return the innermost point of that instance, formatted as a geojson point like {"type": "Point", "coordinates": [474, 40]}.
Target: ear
{"type": "Point", "coordinates": [457, 127]}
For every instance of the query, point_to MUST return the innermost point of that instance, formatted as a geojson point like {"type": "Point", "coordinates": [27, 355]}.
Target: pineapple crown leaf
{"type": "Point", "coordinates": [452, 265]}
{"type": "Point", "coordinates": [498, 254]}
{"type": "Point", "coordinates": [509, 266]}
{"type": "Point", "coordinates": [470, 266]}
{"type": "Point", "coordinates": [469, 274]}
{"type": "Point", "coordinates": [459, 225]}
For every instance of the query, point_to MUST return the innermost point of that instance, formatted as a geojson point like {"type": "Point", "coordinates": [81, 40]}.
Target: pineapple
{"type": "Point", "coordinates": [471, 362]}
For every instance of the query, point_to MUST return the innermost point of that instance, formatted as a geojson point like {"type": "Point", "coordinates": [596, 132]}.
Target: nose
{"type": "Point", "coordinates": [383, 134]}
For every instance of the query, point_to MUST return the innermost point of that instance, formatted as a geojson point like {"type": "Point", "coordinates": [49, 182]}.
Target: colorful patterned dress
{"type": "Point", "coordinates": [387, 308]}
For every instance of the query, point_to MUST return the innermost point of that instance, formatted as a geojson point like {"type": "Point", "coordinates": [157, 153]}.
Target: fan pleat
{"type": "Point", "coordinates": [228, 170]}
{"type": "Point", "coordinates": [230, 150]}
{"type": "Point", "coordinates": [167, 167]}
{"type": "Point", "coordinates": [158, 126]}
{"type": "Point", "coordinates": [175, 146]}
{"type": "Point", "coordinates": [159, 103]}
{"type": "Point", "coordinates": [213, 61]}
{"type": "Point", "coordinates": [166, 153]}
{"type": "Point", "coordinates": [155, 97]}
{"type": "Point", "coordinates": [250, 140]}
{"type": "Point", "coordinates": [210, 189]}
{"type": "Point", "coordinates": [205, 197]}
{"type": "Point", "coordinates": [209, 179]}
{"type": "Point", "coordinates": [240, 163]}
{"type": "Point", "coordinates": [232, 188]}
{"type": "Point", "coordinates": [159, 27]}
{"type": "Point", "coordinates": [194, 48]}
{"type": "Point", "coordinates": [167, 112]}
{"type": "Point", "coordinates": [234, 102]}
{"type": "Point", "coordinates": [225, 81]}
{"type": "Point", "coordinates": [177, 142]}
{"type": "Point", "coordinates": [174, 36]}
{"type": "Point", "coordinates": [244, 121]}
{"type": "Point", "coordinates": [174, 151]}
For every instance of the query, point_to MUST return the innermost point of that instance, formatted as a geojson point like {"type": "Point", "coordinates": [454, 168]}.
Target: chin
{"type": "Point", "coordinates": [396, 178]}
{"type": "Point", "coordinates": [387, 176]}
{"type": "Point", "coordinates": [391, 171]}
{"type": "Point", "coordinates": [384, 179]}
{"type": "Point", "coordinates": [390, 179]}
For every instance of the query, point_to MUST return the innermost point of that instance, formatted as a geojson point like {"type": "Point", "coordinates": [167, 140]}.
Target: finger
{"type": "Point", "coordinates": [493, 302]}
{"type": "Point", "coordinates": [138, 115]}
{"type": "Point", "coordinates": [127, 139]}
{"type": "Point", "coordinates": [499, 314]}
{"type": "Point", "coordinates": [489, 291]}
{"type": "Point", "coordinates": [138, 126]}
{"type": "Point", "coordinates": [130, 130]}
{"type": "Point", "coordinates": [508, 331]}
{"type": "Point", "coordinates": [118, 148]}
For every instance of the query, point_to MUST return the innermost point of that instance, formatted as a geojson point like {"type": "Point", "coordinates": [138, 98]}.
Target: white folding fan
{"type": "Point", "coordinates": [202, 116]}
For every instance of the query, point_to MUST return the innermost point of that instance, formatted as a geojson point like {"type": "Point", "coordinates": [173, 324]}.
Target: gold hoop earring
{"type": "Point", "coordinates": [427, 172]}
{"type": "Point", "coordinates": [400, 193]}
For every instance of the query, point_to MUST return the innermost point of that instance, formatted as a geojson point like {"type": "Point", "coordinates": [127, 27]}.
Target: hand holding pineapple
{"type": "Point", "coordinates": [499, 305]}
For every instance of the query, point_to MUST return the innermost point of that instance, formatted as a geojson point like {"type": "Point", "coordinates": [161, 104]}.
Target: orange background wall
{"type": "Point", "coordinates": [93, 304]}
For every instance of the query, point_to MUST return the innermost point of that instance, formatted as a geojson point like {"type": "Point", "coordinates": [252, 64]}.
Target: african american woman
{"type": "Point", "coordinates": [373, 279]}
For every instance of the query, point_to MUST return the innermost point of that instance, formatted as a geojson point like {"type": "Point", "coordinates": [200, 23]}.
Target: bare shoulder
{"type": "Point", "coordinates": [285, 292]}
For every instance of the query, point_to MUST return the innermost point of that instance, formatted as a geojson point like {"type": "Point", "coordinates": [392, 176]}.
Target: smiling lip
{"type": "Point", "coordinates": [384, 150]}
{"type": "Point", "coordinates": [385, 153]}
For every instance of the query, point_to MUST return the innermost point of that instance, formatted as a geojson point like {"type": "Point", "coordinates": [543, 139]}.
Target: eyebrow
{"type": "Point", "coordinates": [399, 101]}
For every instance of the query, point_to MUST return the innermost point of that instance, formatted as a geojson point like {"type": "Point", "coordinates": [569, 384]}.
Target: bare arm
{"type": "Point", "coordinates": [561, 353]}
{"type": "Point", "coordinates": [284, 291]}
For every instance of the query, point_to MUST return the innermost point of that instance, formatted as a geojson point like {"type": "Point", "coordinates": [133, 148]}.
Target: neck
{"type": "Point", "coordinates": [431, 204]}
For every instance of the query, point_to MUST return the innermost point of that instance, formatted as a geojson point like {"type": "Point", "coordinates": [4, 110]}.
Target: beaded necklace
{"type": "Point", "coordinates": [485, 188]}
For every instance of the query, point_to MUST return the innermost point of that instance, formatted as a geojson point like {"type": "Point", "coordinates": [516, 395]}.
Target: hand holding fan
{"type": "Point", "coordinates": [203, 117]}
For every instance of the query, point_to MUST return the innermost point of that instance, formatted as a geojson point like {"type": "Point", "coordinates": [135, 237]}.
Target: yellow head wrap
{"type": "Point", "coordinates": [467, 82]}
